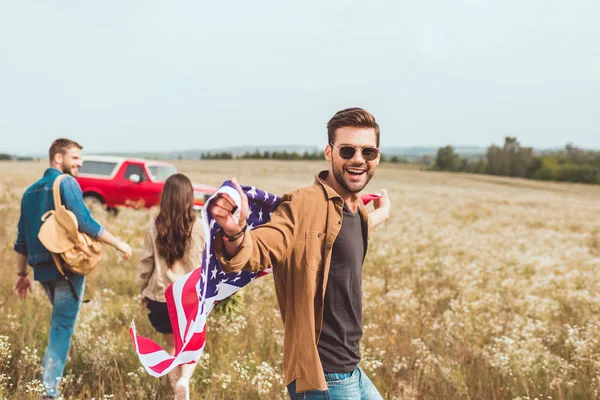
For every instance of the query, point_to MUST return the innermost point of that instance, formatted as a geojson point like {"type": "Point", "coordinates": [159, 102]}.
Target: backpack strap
{"type": "Point", "coordinates": [57, 261]}
{"type": "Point", "coordinates": [56, 191]}
{"type": "Point", "coordinates": [63, 219]}
{"type": "Point", "coordinates": [60, 268]}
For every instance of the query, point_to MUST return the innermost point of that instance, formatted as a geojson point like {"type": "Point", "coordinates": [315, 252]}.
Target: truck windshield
{"type": "Point", "coordinates": [160, 173]}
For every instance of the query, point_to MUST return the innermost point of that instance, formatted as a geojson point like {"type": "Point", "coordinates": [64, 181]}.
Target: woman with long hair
{"type": "Point", "coordinates": [172, 247]}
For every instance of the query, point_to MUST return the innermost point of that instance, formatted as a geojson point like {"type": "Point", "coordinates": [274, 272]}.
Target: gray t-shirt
{"type": "Point", "coordinates": [339, 343]}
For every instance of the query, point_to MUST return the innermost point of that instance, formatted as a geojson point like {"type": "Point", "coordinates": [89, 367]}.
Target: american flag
{"type": "Point", "coordinates": [191, 298]}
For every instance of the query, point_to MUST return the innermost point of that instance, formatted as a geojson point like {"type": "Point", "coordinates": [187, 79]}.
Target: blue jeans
{"type": "Point", "coordinates": [354, 385]}
{"type": "Point", "coordinates": [62, 325]}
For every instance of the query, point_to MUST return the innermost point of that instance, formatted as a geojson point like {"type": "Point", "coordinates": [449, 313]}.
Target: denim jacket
{"type": "Point", "coordinates": [38, 199]}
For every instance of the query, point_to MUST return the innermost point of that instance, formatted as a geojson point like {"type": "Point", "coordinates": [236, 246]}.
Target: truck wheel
{"type": "Point", "coordinates": [93, 202]}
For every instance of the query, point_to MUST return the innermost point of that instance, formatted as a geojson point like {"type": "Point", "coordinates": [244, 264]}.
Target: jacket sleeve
{"type": "Point", "coordinates": [21, 243]}
{"type": "Point", "coordinates": [146, 264]}
{"type": "Point", "coordinates": [72, 198]}
{"type": "Point", "coordinates": [265, 246]}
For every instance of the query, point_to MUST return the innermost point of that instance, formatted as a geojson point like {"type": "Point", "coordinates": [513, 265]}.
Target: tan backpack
{"type": "Point", "coordinates": [60, 234]}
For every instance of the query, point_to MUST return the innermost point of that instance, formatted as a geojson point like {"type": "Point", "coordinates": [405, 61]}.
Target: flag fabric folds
{"type": "Point", "coordinates": [192, 297]}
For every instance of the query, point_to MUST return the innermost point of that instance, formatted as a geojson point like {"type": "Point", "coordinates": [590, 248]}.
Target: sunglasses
{"type": "Point", "coordinates": [347, 151]}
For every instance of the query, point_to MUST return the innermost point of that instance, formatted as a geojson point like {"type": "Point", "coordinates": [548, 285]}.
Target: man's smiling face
{"type": "Point", "coordinates": [352, 174]}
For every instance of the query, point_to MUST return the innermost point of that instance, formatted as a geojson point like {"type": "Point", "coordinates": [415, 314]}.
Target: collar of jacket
{"type": "Point", "coordinates": [51, 172]}
{"type": "Point", "coordinates": [320, 179]}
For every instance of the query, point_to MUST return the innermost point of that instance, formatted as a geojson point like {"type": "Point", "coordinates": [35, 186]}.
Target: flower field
{"type": "Point", "coordinates": [477, 287]}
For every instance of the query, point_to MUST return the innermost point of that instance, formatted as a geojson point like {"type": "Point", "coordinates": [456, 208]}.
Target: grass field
{"type": "Point", "coordinates": [476, 288]}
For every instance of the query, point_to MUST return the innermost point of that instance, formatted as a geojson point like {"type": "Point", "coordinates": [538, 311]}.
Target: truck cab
{"type": "Point", "coordinates": [130, 182]}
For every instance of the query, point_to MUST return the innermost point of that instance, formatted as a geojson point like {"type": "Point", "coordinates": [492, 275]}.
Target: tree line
{"type": "Point", "coordinates": [283, 155]}
{"type": "Point", "coordinates": [570, 164]}
{"type": "Point", "coordinates": [8, 157]}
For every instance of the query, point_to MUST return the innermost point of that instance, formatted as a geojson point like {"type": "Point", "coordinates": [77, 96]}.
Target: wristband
{"type": "Point", "coordinates": [22, 274]}
{"type": "Point", "coordinates": [233, 238]}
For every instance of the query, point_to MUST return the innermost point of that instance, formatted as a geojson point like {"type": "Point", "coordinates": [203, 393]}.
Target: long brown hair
{"type": "Point", "coordinates": [176, 218]}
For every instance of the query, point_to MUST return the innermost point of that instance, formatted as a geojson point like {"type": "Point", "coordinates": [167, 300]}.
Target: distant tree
{"type": "Point", "coordinates": [521, 162]}
{"type": "Point", "coordinates": [498, 162]}
{"type": "Point", "coordinates": [5, 157]}
{"type": "Point", "coordinates": [576, 155]}
{"type": "Point", "coordinates": [570, 164]}
{"type": "Point", "coordinates": [511, 159]}
{"type": "Point", "coordinates": [426, 160]}
{"type": "Point", "coordinates": [446, 159]}
{"type": "Point", "coordinates": [480, 166]}
{"type": "Point", "coordinates": [398, 160]}
{"type": "Point", "coordinates": [511, 144]}
{"type": "Point", "coordinates": [521, 158]}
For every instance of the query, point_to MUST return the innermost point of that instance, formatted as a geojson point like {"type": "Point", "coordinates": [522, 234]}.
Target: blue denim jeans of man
{"type": "Point", "coordinates": [65, 309]}
{"type": "Point", "coordinates": [354, 385]}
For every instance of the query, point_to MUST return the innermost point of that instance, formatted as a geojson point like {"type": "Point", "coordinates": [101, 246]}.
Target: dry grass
{"type": "Point", "coordinates": [476, 288]}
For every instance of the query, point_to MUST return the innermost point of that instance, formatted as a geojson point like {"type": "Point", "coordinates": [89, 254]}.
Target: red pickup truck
{"type": "Point", "coordinates": [129, 182]}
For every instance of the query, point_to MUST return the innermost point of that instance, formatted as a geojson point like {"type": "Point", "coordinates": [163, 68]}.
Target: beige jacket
{"type": "Point", "coordinates": [297, 244]}
{"type": "Point", "coordinates": [153, 274]}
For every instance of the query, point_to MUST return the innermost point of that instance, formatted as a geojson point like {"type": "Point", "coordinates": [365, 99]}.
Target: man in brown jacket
{"type": "Point", "coordinates": [316, 242]}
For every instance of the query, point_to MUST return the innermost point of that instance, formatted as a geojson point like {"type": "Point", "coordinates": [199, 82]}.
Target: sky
{"type": "Point", "coordinates": [175, 75]}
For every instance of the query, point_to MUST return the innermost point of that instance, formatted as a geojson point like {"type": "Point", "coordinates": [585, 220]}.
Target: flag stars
{"type": "Point", "coordinates": [211, 278]}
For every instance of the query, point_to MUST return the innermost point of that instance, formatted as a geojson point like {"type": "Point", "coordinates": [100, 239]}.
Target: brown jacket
{"type": "Point", "coordinates": [154, 276]}
{"type": "Point", "coordinates": [297, 244]}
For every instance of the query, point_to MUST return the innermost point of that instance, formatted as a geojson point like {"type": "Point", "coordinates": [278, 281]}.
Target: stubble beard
{"type": "Point", "coordinates": [67, 169]}
{"type": "Point", "coordinates": [338, 174]}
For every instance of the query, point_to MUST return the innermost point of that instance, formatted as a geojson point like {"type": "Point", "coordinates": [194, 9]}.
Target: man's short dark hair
{"type": "Point", "coordinates": [356, 117]}
{"type": "Point", "coordinates": [61, 146]}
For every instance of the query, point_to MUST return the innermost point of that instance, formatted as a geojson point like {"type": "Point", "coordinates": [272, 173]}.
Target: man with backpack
{"type": "Point", "coordinates": [65, 292]}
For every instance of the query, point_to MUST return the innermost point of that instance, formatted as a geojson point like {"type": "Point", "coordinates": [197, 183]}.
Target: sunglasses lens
{"type": "Point", "coordinates": [369, 153]}
{"type": "Point", "coordinates": [347, 152]}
